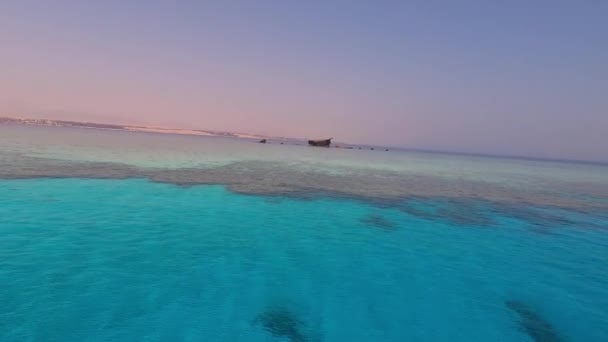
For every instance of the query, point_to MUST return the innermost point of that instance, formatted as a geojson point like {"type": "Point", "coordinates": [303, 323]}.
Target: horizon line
{"type": "Point", "coordinates": [246, 135]}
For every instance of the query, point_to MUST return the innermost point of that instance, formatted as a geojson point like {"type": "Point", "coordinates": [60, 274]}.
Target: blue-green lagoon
{"type": "Point", "coordinates": [116, 236]}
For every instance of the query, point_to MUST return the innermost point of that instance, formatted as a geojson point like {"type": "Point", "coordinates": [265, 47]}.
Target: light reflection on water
{"type": "Point", "coordinates": [249, 167]}
{"type": "Point", "coordinates": [179, 151]}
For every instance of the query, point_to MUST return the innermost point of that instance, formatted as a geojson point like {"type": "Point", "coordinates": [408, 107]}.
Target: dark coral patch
{"type": "Point", "coordinates": [461, 213]}
{"type": "Point", "coordinates": [283, 323]}
{"type": "Point", "coordinates": [532, 323]}
{"type": "Point", "coordinates": [378, 221]}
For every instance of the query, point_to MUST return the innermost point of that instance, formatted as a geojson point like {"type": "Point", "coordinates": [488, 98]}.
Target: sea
{"type": "Point", "coordinates": [123, 236]}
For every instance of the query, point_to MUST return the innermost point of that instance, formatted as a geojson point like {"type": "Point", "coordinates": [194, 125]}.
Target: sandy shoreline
{"type": "Point", "coordinates": [127, 128]}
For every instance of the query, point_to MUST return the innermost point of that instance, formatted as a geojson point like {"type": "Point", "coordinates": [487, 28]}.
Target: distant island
{"type": "Point", "coordinates": [129, 128]}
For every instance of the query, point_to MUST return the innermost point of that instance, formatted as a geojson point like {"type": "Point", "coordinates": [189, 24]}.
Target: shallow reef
{"type": "Point", "coordinates": [276, 178]}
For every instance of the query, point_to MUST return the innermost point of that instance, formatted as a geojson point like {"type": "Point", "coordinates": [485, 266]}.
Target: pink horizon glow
{"type": "Point", "coordinates": [410, 77]}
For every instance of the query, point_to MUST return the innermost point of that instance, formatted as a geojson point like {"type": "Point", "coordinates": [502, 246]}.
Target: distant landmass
{"type": "Point", "coordinates": [64, 123]}
{"type": "Point", "coordinates": [296, 141]}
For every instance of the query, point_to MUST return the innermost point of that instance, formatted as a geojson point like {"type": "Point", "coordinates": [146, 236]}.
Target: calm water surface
{"type": "Point", "coordinates": [113, 236]}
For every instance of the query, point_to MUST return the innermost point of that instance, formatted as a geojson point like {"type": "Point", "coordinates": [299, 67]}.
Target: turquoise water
{"type": "Point", "coordinates": [115, 236]}
{"type": "Point", "coordinates": [135, 260]}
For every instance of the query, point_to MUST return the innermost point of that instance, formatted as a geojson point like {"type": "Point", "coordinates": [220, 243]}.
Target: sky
{"type": "Point", "coordinates": [526, 78]}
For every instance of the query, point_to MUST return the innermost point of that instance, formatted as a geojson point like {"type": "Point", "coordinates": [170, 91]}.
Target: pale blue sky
{"type": "Point", "coordinates": [502, 77]}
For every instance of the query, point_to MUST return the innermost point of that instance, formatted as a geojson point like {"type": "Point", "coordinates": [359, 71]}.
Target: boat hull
{"type": "Point", "coordinates": [320, 143]}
